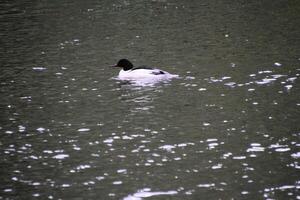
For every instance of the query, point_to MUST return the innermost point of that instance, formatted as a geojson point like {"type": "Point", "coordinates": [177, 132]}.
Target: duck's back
{"type": "Point", "coordinates": [142, 73]}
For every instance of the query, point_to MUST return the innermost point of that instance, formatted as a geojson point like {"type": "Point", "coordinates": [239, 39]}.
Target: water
{"type": "Point", "coordinates": [228, 129]}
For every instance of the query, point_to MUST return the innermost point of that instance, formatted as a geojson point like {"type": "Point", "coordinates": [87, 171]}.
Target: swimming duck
{"type": "Point", "coordinates": [129, 72]}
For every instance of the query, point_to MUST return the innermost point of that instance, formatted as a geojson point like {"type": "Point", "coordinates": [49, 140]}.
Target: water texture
{"type": "Point", "coordinates": [227, 129]}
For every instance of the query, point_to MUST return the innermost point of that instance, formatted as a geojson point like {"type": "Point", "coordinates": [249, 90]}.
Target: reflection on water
{"type": "Point", "coordinates": [146, 192]}
{"type": "Point", "coordinates": [227, 129]}
{"type": "Point", "coordinates": [139, 98]}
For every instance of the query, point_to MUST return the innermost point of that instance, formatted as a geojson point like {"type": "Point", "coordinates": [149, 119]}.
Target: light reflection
{"type": "Point", "coordinates": [263, 77]}
{"type": "Point", "coordinates": [272, 191]}
{"type": "Point", "coordinates": [206, 185]}
{"type": "Point", "coordinates": [146, 192]}
{"type": "Point", "coordinates": [61, 156]}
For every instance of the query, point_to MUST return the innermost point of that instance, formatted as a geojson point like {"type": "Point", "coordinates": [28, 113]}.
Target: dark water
{"type": "Point", "coordinates": [228, 129]}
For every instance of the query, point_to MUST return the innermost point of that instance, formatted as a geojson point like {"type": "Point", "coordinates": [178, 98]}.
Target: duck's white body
{"type": "Point", "coordinates": [140, 74]}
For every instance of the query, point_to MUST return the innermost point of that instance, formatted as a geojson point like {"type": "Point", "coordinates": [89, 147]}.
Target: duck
{"type": "Point", "coordinates": [130, 72]}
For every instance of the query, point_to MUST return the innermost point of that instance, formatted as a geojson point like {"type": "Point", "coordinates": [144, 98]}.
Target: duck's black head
{"type": "Point", "coordinates": [125, 64]}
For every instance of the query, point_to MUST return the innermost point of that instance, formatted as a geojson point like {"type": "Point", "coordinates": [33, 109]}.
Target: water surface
{"type": "Point", "coordinates": [228, 129]}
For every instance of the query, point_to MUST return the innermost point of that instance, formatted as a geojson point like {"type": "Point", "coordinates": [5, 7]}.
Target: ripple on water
{"type": "Point", "coordinates": [296, 155]}
{"type": "Point", "coordinates": [256, 147]}
{"type": "Point", "coordinates": [122, 171]}
{"type": "Point", "coordinates": [217, 166]}
{"type": "Point", "coordinates": [41, 130]}
{"type": "Point", "coordinates": [170, 148]}
{"type": "Point", "coordinates": [206, 185]}
{"type": "Point", "coordinates": [80, 168]}
{"type": "Point", "coordinates": [261, 78]}
{"type": "Point", "coordinates": [146, 192]}
{"type": "Point", "coordinates": [61, 156]}
{"type": "Point", "coordinates": [117, 183]}
{"type": "Point", "coordinates": [39, 69]}
{"type": "Point", "coordinates": [83, 129]}
{"type": "Point", "coordinates": [167, 147]}
{"type": "Point", "coordinates": [269, 193]}
{"type": "Point", "coordinates": [239, 157]}
{"type": "Point", "coordinates": [280, 148]}
{"type": "Point", "coordinates": [108, 141]}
